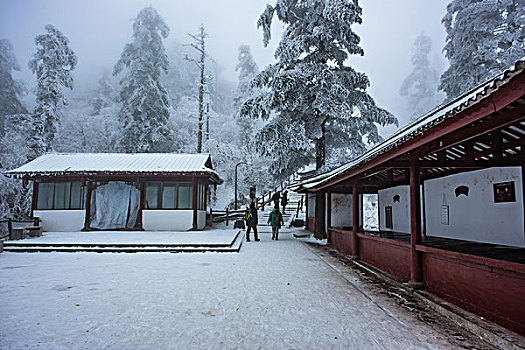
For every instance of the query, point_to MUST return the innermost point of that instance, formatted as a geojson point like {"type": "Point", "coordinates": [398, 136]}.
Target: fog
{"type": "Point", "coordinates": [98, 31]}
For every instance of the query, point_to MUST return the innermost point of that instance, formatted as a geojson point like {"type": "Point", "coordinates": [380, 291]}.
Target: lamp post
{"type": "Point", "coordinates": [236, 165]}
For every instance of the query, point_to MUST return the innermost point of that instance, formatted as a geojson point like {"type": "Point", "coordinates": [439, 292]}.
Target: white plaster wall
{"type": "Point", "coordinates": [311, 205]}
{"type": "Point", "coordinates": [476, 217]}
{"type": "Point", "coordinates": [201, 219]}
{"type": "Point", "coordinates": [167, 220]}
{"type": "Point", "coordinates": [400, 210]}
{"type": "Point", "coordinates": [61, 220]}
{"type": "Point", "coordinates": [341, 209]}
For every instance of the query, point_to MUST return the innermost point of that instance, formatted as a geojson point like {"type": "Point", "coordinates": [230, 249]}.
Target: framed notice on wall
{"type": "Point", "coordinates": [444, 215]}
{"type": "Point", "coordinates": [504, 192]}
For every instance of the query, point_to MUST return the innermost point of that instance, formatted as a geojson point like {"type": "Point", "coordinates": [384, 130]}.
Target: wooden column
{"type": "Point", "coordinates": [88, 206]}
{"type": "Point", "coordinates": [194, 188]}
{"type": "Point", "coordinates": [328, 215]}
{"type": "Point", "coordinates": [416, 272]}
{"type": "Point", "coordinates": [34, 200]}
{"type": "Point", "coordinates": [355, 221]}
{"type": "Point", "coordinates": [523, 192]}
{"type": "Point", "coordinates": [141, 202]}
{"type": "Point", "coordinates": [320, 215]}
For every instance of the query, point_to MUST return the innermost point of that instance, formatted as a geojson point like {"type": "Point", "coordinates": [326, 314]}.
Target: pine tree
{"type": "Point", "coordinates": [10, 90]}
{"type": "Point", "coordinates": [420, 87]}
{"type": "Point", "coordinates": [144, 115]}
{"type": "Point", "coordinates": [199, 44]}
{"type": "Point", "coordinates": [483, 38]}
{"type": "Point", "coordinates": [15, 200]}
{"type": "Point", "coordinates": [247, 69]}
{"type": "Point", "coordinates": [310, 87]}
{"type": "Point", "coordinates": [52, 64]}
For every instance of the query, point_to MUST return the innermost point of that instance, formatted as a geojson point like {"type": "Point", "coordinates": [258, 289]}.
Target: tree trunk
{"type": "Point", "coordinates": [320, 232]}
{"type": "Point", "coordinates": [201, 91]}
{"type": "Point", "coordinates": [320, 149]}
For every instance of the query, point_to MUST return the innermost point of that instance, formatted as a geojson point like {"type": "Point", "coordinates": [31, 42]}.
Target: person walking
{"type": "Point", "coordinates": [284, 201]}
{"type": "Point", "coordinates": [251, 222]}
{"type": "Point", "coordinates": [275, 198]}
{"type": "Point", "coordinates": [276, 220]}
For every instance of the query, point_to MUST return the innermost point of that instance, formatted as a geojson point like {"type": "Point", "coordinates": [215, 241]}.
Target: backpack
{"type": "Point", "coordinates": [275, 219]}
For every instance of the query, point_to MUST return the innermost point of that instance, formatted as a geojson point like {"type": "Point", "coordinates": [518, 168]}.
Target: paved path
{"type": "Point", "coordinates": [272, 295]}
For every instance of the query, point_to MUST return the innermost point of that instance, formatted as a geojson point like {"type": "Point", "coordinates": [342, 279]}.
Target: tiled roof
{"type": "Point", "coordinates": [116, 163]}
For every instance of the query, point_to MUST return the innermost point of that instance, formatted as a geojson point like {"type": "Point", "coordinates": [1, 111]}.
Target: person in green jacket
{"type": "Point", "coordinates": [276, 220]}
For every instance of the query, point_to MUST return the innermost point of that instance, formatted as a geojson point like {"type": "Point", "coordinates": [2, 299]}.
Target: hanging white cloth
{"type": "Point", "coordinates": [114, 205]}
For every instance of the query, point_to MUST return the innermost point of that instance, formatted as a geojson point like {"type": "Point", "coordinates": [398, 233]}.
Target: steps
{"type": "Point", "coordinates": [27, 247]}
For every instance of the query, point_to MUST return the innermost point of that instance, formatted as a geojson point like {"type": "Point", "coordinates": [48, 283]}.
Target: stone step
{"type": "Point", "coordinates": [233, 247]}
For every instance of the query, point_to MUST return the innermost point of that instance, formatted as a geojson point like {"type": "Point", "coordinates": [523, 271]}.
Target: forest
{"type": "Point", "coordinates": [308, 109]}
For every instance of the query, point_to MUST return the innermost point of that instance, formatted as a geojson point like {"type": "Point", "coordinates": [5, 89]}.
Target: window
{"type": "Point", "coordinates": [185, 197]}
{"type": "Point", "coordinates": [168, 195]}
{"type": "Point", "coordinates": [60, 195]}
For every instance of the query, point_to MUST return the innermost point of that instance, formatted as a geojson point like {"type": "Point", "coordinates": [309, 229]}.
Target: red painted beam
{"type": "Point", "coordinates": [355, 220]}
{"type": "Point", "coordinates": [416, 271]}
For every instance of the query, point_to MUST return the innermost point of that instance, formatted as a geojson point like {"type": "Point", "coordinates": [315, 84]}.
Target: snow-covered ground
{"type": "Point", "coordinates": [271, 295]}
{"type": "Point", "coordinates": [220, 236]}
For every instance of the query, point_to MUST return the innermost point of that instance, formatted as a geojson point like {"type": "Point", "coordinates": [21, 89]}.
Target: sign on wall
{"type": "Point", "coordinates": [504, 192]}
{"type": "Point", "coordinates": [444, 215]}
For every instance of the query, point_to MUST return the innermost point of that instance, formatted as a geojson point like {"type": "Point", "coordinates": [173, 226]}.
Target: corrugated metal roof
{"type": "Point", "coordinates": [424, 123]}
{"type": "Point", "coordinates": [115, 163]}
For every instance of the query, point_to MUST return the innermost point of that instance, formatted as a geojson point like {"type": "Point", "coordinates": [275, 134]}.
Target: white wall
{"type": "Point", "coordinates": [167, 220]}
{"type": "Point", "coordinates": [201, 219]}
{"type": "Point", "coordinates": [400, 210]}
{"type": "Point", "coordinates": [61, 220]}
{"type": "Point", "coordinates": [476, 217]}
{"type": "Point", "coordinates": [341, 210]}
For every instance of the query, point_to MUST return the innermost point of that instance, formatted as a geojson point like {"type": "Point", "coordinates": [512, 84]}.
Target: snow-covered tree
{"type": "Point", "coordinates": [10, 90]}
{"type": "Point", "coordinates": [483, 38]}
{"type": "Point", "coordinates": [247, 69]}
{"type": "Point", "coordinates": [52, 63]}
{"type": "Point", "coordinates": [311, 88]}
{"type": "Point", "coordinates": [421, 87]}
{"type": "Point", "coordinates": [144, 115]}
{"type": "Point", "coordinates": [104, 95]}
{"type": "Point", "coordinates": [15, 200]}
{"type": "Point", "coordinates": [199, 44]}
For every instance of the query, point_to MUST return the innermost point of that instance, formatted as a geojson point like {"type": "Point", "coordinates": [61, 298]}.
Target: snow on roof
{"type": "Point", "coordinates": [116, 163]}
{"type": "Point", "coordinates": [422, 124]}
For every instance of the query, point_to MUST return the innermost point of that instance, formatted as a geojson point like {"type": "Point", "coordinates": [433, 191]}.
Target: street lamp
{"type": "Point", "coordinates": [236, 165]}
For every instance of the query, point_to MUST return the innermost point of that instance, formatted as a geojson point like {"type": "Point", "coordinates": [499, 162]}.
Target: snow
{"type": "Point", "coordinates": [271, 295]}
{"type": "Point", "coordinates": [151, 237]}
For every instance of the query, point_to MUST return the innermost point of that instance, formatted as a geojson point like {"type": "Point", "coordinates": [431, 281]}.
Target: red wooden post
{"type": "Point", "coordinates": [211, 216]}
{"type": "Point", "coordinates": [355, 221]}
{"type": "Point", "coordinates": [194, 188]}
{"type": "Point", "coordinates": [263, 202]}
{"type": "Point", "coordinates": [416, 275]}
{"type": "Point", "coordinates": [142, 201]}
{"type": "Point", "coordinates": [523, 191]}
{"type": "Point", "coordinates": [88, 207]}
{"type": "Point", "coordinates": [34, 199]}
{"type": "Point", "coordinates": [227, 222]}
{"type": "Point", "coordinates": [328, 215]}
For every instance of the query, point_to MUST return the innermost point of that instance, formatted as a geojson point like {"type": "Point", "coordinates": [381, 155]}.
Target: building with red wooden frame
{"type": "Point", "coordinates": [88, 191]}
{"type": "Point", "coordinates": [450, 202]}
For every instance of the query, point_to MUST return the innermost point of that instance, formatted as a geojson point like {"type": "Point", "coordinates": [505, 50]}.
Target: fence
{"type": "Point", "coordinates": [8, 225]}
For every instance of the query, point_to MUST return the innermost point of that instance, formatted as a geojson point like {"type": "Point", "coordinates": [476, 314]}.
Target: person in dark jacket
{"type": "Point", "coordinates": [251, 221]}
{"type": "Point", "coordinates": [276, 197]}
{"type": "Point", "coordinates": [284, 201]}
{"type": "Point", "coordinates": [276, 220]}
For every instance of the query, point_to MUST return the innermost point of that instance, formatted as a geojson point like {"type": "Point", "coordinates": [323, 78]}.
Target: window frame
{"type": "Point", "coordinates": [82, 195]}
{"type": "Point", "coordinates": [161, 194]}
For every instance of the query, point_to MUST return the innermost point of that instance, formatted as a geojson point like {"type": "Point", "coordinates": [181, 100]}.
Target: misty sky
{"type": "Point", "coordinates": [98, 31]}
